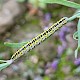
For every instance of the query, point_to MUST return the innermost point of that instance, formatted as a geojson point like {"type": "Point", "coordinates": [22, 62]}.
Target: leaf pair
{"type": "Point", "coordinates": [4, 63]}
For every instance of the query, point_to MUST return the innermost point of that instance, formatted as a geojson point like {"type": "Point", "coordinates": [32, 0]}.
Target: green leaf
{"type": "Point", "coordinates": [15, 45]}
{"type": "Point", "coordinates": [76, 53]}
{"type": "Point", "coordinates": [4, 64]}
{"type": "Point", "coordinates": [2, 61]}
{"type": "Point", "coordinates": [75, 35]}
{"type": "Point", "coordinates": [74, 16]}
{"type": "Point", "coordinates": [63, 2]}
{"type": "Point", "coordinates": [78, 34]}
{"type": "Point", "coordinates": [77, 11]}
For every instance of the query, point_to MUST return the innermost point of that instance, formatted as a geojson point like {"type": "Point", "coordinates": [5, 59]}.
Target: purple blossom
{"type": "Point", "coordinates": [45, 27]}
{"type": "Point", "coordinates": [77, 61]}
{"type": "Point", "coordinates": [46, 21]}
{"type": "Point", "coordinates": [63, 32]}
{"type": "Point", "coordinates": [55, 64]}
{"type": "Point", "coordinates": [62, 36]}
{"type": "Point", "coordinates": [47, 17]}
{"type": "Point", "coordinates": [60, 50]}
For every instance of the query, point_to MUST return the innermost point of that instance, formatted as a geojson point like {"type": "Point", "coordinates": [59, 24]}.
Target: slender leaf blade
{"type": "Point", "coordinates": [4, 64]}
{"type": "Point", "coordinates": [15, 45]}
{"type": "Point", "coordinates": [78, 33]}
{"type": "Point", "coordinates": [75, 35]}
{"type": "Point", "coordinates": [63, 2]}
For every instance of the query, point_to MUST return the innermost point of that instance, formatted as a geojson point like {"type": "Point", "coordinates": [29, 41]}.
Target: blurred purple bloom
{"type": "Point", "coordinates": [46, 21]}
{"type": "Point", "coordinates": [63, 32]}
{"type": "Point", "coordinates": [46, 27]}
{"type": "Point", "coordinates": [48, 65]}
{"type": "Point", "coordinates": [77, 61]}
{"type": "Point", "coordinates": [62, 35]}
{"type": "Point", "coordinates": [54, 64]}
{"type": "Point", "coordinates": [47, 17]}
{"type": "Point", "coordinates": [60, 50]}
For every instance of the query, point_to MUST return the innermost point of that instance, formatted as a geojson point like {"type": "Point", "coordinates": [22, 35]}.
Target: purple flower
{"type": "Point", "coordinates": [63, 32]}
{"type": "Point", "coordinates": [62, 35]}
{"type": "Point", "coordinates": [46, 21]}
{"type": "Point", "coordinates": [47, 17]}
{"type": "Point", "coordinates": [55, 64]}
{"type": "Point", "coordinates": [46, 27]}
{"type": "Point", "coordinates": [77, 61]}
{"type": "Point", "coordinates": [60, 50]}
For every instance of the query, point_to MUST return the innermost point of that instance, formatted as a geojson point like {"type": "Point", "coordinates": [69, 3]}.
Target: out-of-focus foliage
{"type": "Point", "coordinates": [36, 3]}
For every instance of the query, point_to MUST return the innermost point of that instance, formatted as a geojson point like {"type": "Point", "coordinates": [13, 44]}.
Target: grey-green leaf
{"type": "Point", "coordinates": [75, 35]}
{"type": "Point", "coordinates": [63, 2]}
{"type": "Point", "coordinates": [4, 64]}
{"type": "Point", "coordinates": [15, 45]}
{"type": "Point", "coordinates": [78, 35]}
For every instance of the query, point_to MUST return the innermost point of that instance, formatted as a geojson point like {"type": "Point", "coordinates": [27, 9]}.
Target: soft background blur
{"type": "Point", "coordinates": [20, 21]}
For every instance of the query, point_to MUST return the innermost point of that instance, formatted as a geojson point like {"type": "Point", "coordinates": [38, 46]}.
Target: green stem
{"type": "Point", "coordinates": [73, 17]}
{"type": "Point", "coordinates": [78, 26]}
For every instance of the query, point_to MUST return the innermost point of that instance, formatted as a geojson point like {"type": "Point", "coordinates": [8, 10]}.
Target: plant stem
{"type": "Point", "coordinates": [73, 17]}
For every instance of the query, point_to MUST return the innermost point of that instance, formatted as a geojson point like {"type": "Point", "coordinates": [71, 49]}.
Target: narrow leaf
{"type": "Point", "coordinates": [74, 16]}
{"type": "Point", "coordinates": [78, 34]}
{"type": "Point", "coordinates": [15, 45]}
{"type": "Point", "coordinates": [75, 35]}
{"type": "Point", "coordinates": [63, 2]}
{"type": "Point", "coordinates": [4, 64]}
{"type": "Point", "coordinates": [2, 61]}
{"type": "Point", "coordinates": [76, 53]}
